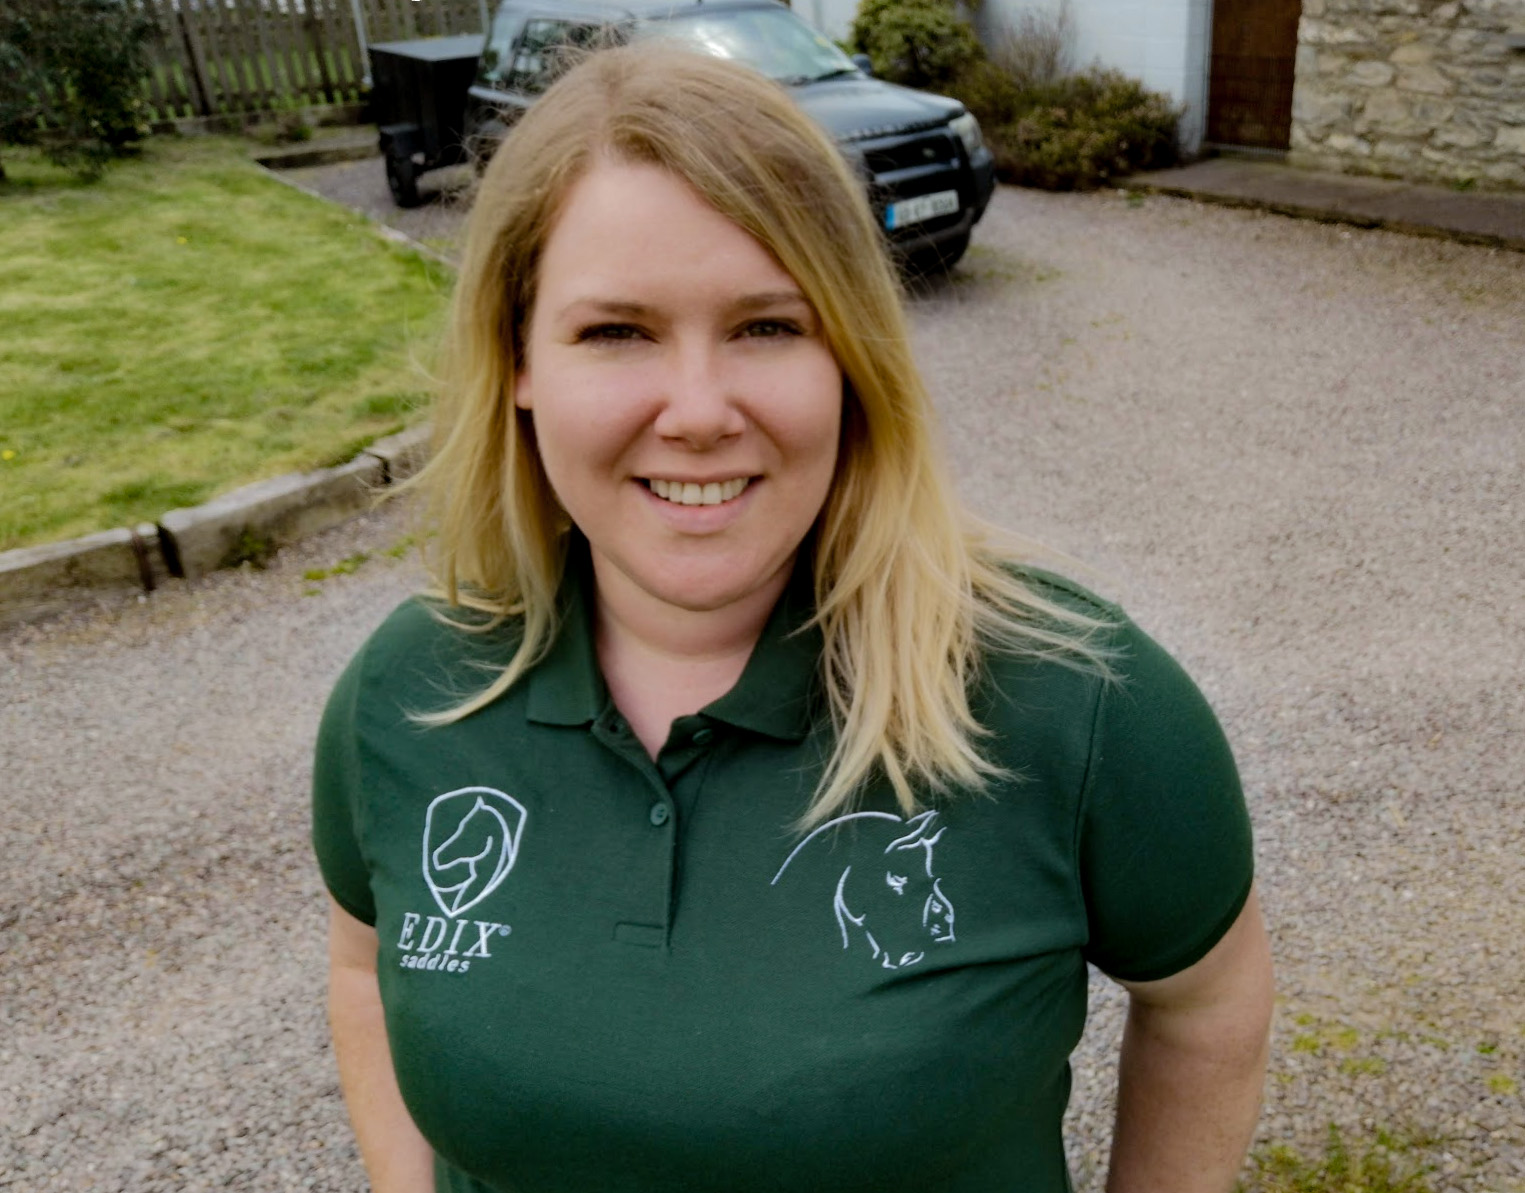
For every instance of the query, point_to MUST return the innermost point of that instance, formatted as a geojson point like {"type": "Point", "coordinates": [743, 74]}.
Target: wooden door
{"type": "Point", "coordinates": [1249, 98]}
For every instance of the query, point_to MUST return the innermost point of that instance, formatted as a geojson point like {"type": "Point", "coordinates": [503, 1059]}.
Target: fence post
{"type": "Point", "coordinates": [365, 48]}
{"type": "Point", "coordinates": [272, 71]}
{"type": "Point", "coordinates": [325, 75]}
{"type": "Point", "coordinates": [198, 65]}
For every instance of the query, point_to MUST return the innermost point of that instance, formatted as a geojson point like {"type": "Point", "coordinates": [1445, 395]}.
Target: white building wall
{"type": "Point", "coordinates": [1166, 44]}
{"type": "Point", "coordinates": [831, 17]}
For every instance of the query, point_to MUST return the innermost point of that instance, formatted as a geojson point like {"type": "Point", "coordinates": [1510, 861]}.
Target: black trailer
{"type": "Point", "coordinates": [418, 97]}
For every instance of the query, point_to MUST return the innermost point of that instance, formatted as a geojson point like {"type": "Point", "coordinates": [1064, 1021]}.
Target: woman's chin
{"type": "Point", "coordinates": [707, 593]}
{"type": "Point", "coordinates": [699, 582]}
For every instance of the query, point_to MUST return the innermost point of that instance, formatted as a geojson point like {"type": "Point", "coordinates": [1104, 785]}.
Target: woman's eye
{"type": "Point", "coordinates": [608, 333]}
{"type": "Point", "coordinates": [771, 328]}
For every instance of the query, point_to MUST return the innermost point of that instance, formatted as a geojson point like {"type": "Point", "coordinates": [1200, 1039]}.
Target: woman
{"type": "Point", "coordinates": [735, 817]}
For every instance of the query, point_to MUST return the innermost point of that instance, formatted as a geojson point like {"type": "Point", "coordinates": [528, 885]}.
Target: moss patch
{"type": "Point", "coordinates": [1385, 1162]}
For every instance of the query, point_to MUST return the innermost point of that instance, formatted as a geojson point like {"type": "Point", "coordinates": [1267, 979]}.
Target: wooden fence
{"type": "Point", "coordinates": [227, 57]}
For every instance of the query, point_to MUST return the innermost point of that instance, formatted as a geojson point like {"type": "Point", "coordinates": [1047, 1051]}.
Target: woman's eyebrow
{"type": "Point", "coordinates": [625, 308]}
{"type": "Point", "coordinates": [770, 298]}
{"type": "Point", "coordinates": [609, 306]}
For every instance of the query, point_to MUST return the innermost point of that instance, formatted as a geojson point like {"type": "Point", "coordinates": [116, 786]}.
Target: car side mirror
{"type": "Point", "coordinates": [864, 63]}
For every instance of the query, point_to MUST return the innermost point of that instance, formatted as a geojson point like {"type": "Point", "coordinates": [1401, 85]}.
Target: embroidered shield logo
{"type": "Point", "coordinates": [471, 840]}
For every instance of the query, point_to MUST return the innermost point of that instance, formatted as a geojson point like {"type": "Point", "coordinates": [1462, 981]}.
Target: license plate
{"type": "Point", "coordinates": [922, 207]}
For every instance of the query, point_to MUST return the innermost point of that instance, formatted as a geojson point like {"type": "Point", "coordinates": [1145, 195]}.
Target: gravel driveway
{"type": "Point", "coordinates": [1293, 451]}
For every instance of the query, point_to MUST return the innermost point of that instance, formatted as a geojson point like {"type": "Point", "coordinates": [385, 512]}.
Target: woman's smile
{"type": "Point", "coordinates": [678, 492]}
{"type": "Point", "coordinates": [698, 508]}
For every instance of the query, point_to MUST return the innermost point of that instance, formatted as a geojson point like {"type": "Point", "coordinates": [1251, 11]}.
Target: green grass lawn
{"type": "Point", "coordinates": [188, 325]}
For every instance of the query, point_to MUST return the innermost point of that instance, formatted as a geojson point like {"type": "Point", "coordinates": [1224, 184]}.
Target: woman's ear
{"type": "Point", "coordinates": [519, 358]}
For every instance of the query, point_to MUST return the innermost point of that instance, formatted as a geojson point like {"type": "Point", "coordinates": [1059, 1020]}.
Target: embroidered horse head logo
{"type": "Point", "coordinates": [471, 840]}
{"type": "Point", "coordinates": [889, 896]}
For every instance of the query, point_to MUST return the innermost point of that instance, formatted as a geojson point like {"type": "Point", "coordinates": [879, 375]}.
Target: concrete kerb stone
{"type": "Point", "coordinates": [401, 455]}
{"type": "Point", "coordinates": [251, 522]}
{"type": "Point", "coordinates": [246, 524]}
{"type": "Point", "coordinates": [39, 581]}
{"type": "Point", "coordinates": [316, 155]}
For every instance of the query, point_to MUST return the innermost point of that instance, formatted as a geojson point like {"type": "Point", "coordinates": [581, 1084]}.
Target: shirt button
{"type": "Point", "coordinates": [660, 813]}
{"type": "Point", "coordinates": [703, 737]}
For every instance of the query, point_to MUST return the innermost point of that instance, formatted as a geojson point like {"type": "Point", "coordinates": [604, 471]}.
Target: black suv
{"type": "Point", "coordinates": [928, 173]}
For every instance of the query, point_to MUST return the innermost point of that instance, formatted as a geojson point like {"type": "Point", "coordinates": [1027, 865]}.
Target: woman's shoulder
{"type": "Point", "coordinates": [427, 641]}
{"type": "Point", "coordinates": [1041, 619]}
{"type": "Point", "coordinates": [1114, 677]}
{"type": "Point", "coordinates": [424, 620]}
{"type": "Point", "coordinates": [1068, 595]}
{"type": "Point", "coordinates": [1080, 642]}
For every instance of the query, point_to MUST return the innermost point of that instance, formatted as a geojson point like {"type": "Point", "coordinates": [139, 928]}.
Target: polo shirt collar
{"type": "Point", "coordinates": [775, 695]}
{"type": "Point", "coordinates": [566, 687]}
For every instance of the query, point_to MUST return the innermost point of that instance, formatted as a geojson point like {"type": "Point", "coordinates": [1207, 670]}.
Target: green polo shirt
{"type": "Point", "coordinates": [608, 974]}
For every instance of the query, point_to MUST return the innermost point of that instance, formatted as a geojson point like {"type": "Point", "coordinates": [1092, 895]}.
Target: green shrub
{"type": "Point", "coordinates": [21, 94]}
{"type": "Point", "coordinates": [72, 75]}
{"type": "Point", "coordinates": [1046, 127]}
{"type": "Point", "coordinates": [1079, 132]}
{"type": "Point", "coordinates": [920, 43]}
{"type": "Point", "coordinates": [1033, 51]}
{"type": "Point", "coordinates": [1037, 47]}
{"type": "Point", "coordinates": [990, 92]}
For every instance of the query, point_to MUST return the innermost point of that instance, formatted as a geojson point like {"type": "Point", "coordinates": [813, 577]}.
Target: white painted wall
{"type": "Point", "coordinates": [831, 17]}
{"type": "Point", "coordinates": [1164, 43]}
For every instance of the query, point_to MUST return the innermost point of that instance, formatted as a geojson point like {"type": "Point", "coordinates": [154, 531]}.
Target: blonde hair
{"type": "Point", "coordinates": [910, 589]}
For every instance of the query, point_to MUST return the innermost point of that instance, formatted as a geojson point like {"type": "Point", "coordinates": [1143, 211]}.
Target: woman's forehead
{"type": "Point", "coordinates": [632, 235]}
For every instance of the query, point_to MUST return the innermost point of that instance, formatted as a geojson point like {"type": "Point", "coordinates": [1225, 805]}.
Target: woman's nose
{"type": "Point", "coordinates": [699, 404]}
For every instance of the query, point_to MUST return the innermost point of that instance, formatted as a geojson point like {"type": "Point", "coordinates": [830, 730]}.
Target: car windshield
{"type": "Point", "coordinates": [771, 40]}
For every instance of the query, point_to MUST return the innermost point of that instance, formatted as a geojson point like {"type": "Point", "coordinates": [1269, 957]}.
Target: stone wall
{"type": "Point", "coordinates": [1424, 89]}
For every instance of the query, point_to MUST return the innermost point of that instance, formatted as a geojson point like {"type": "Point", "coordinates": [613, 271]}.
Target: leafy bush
{"type": "Point", "coordinates": [1045, 126]}
{"type": "Point", "coordinates": [990, 92]}
{"type": "Point", "coordinates": [1033, 51]}
{"type": "Point", "coordinates": [920, 43]}
{"type": "Point", "coordinates": [1038, 47]}
{"type": "Point", "coordinates": [21, 92]}
{"type": "Point", "coordinates": [1076, 133]}
{"type": "Point", "coordinates": [72, 75]}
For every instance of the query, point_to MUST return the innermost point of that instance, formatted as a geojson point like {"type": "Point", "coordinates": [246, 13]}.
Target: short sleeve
{"type": "Point", "coordinates": [1165, 846]}
{"type": "Point", "coordinates": [336, 788]}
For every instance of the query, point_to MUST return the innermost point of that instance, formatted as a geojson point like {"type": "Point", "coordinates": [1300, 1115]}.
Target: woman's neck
{"type": "Point", "coordinates": [661, 661]}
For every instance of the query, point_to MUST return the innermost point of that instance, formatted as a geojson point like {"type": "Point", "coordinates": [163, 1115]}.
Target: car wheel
{"type": "Point", "coordinates": [402, 180]}
{"type": "Point", "coordinates": [939, 258]}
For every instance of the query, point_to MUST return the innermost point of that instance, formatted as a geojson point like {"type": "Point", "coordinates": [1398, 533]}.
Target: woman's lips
{"type": "Point", "coordinates": [677, 492]}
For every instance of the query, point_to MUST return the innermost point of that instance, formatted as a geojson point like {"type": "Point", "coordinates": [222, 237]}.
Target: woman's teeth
{"type": "Point", "coordinates": [688, 493]}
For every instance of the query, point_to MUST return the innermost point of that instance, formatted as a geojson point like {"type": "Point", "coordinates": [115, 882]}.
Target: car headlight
{"type": "Point", "coordinates": [968, 130]}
